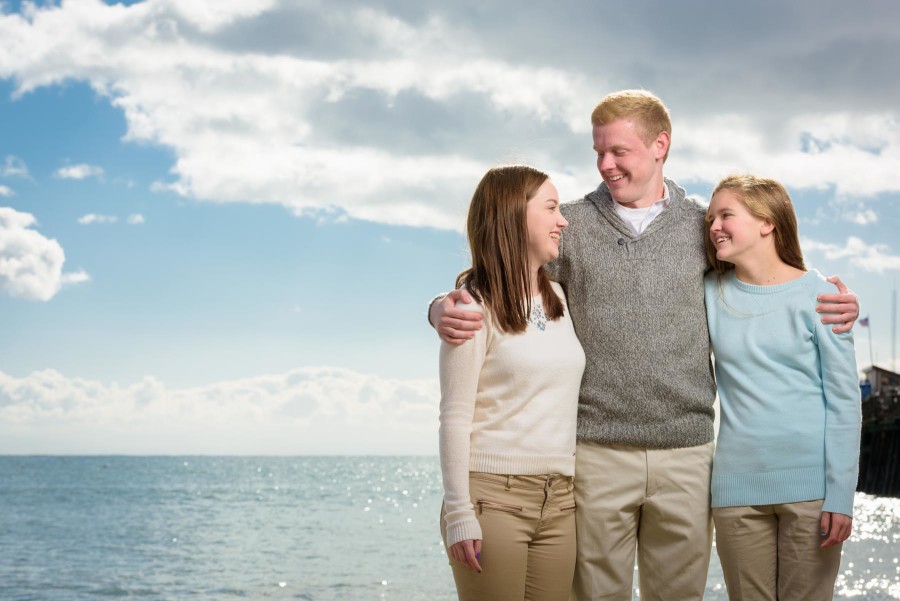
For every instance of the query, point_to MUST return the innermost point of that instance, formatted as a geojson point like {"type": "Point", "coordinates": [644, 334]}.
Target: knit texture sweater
{"type": "Point", "coordinates": [637, 305]}
{"type": "Point", "coordinates": [788, 390]}
{"type": "Point", "coordinates": [508, 406]}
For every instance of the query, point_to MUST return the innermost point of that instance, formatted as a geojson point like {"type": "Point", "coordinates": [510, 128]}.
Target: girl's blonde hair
{"type": "Point", "coordinates": [768, 200]}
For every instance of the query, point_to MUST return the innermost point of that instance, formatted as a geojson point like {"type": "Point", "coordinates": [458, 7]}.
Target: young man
{"type": "Point", "coordinates": [632, 263]}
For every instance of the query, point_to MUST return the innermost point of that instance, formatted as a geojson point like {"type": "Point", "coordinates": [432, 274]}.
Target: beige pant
{"type": "Point", "coordinates": [654, 501]}
{"type": "Point", "coordinates": [528, 549]}
{"type": "Point", "coordinates": [771, 552]}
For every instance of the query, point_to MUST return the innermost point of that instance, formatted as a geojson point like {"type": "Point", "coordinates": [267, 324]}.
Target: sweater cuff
{"type": "Point", "coordinates": [465, 528]}
{"type": "Point", "coordinates": [839, 500]}
{"type": "Point", "coordinates": [439, 297]}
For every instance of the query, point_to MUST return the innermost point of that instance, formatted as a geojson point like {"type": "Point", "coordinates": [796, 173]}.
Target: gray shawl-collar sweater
{"type": "Point", "coordinates": [636, 302]}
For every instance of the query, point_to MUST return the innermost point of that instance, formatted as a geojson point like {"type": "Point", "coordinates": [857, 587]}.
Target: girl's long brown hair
{"type": "Point", "coordinates": [498, 240]}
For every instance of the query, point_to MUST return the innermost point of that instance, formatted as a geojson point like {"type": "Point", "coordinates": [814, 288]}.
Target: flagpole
{"type": "Point", "coordinates": [893, 330]}
{"type": "Point", "coordinates": [864, 322]}
{"type": "Point", "coordinates": [871, 359]}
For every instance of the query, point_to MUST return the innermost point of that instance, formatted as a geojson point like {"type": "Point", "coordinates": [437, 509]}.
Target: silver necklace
{"type": "Point", "coordinates": [538, 318]}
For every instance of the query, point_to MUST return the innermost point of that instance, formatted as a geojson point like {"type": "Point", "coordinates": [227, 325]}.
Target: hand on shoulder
{"type": "Point", "coordinates": [457, 317]}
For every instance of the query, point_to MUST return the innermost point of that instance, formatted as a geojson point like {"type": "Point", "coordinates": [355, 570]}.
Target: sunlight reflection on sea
{"type": "Point", "coordinates": [302, 528]}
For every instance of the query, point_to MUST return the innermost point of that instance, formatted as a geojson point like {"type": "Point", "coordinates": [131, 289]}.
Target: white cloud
{"type": "Point", "coordinates": [95, 218]}
{"type": "Point", "coordinates": [309, 410]}
{"type": "Point", "coordinates": [80, 171]}
{"type": "Point", "coordinates": [253, 137]}
{"type": "Point", "coordinates": [256, 136]}
{"type": "Point", "coordinates": [75, 277]}
{"type": "Point", "coordinates": [210, 16]}
{"type": "Point", "coordinates": [862, 217]}
{"type": "Point", "coordinates": [810, 151]}
{"type": "Point", "coordinates": [14, 166]}
{"type": "Point", "coordinates": [30, 264]}
{"type": "Point", "coordinates": [6, 191]}
{"type": "Point", "coordinates": [871, 257]}
{"type": "Point", "coordinates": [91, 218]}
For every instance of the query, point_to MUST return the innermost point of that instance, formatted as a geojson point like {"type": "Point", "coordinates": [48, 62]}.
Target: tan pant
{"type": "Point", "coordinates": [771, 552]}
{"type": "Point", "coordinates": [654, 501]}
{"type": "Point", "coordinates": [528, 550]}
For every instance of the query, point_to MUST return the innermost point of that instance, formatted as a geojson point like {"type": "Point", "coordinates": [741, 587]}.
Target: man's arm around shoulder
{"type": "Point", "coordinates": [454, 325]}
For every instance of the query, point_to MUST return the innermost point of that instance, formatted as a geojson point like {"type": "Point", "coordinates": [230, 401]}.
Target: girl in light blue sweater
{"type": "Point", "coordinates": [786, 462]}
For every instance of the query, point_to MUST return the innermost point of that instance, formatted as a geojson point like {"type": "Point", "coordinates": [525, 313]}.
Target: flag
{"type": "Point", "coordinates": [864, 322]}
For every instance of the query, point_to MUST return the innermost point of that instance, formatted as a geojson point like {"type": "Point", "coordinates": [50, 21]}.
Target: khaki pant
{"type": "Point", "coordinates": [651, 501]}
{"type": "Point", "coordinates": [528, 550]}
{"type": "Point", "coordinates": [771, 552]}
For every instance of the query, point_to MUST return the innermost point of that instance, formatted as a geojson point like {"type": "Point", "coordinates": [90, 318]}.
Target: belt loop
{"type": "Point", "coordinates": [508, 481]}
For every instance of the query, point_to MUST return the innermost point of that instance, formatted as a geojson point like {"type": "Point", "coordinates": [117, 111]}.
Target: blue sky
{"type": "Point", "coordinates": [220, 222]}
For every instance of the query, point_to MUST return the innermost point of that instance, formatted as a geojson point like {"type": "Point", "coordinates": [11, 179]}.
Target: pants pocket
{"type": "Point", "coordinates": [484, 504]}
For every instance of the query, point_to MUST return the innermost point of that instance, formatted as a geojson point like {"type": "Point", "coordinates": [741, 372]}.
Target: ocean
{"type": "Point", "coordinates": [301, 528]}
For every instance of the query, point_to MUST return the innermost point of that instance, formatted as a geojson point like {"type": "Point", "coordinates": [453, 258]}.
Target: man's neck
{"type": "Point", "coordinates": [648, 201]}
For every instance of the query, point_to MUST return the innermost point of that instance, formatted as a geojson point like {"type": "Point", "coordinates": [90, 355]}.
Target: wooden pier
{"type": "Point", "coordinates": [879, 460]}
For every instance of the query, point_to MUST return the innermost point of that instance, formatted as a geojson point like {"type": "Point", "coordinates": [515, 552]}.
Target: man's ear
{"type": "Point", "coordinates": [661, 145]}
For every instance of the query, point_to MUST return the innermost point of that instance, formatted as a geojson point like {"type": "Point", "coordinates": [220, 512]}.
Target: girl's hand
{"type": "Point", "coordinates": [467, 553]}
{"type": "Point", "coordinates": [836, 526]}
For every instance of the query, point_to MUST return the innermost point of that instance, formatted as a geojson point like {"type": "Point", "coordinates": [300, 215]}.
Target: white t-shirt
{"type": "Point", "coordinates": [639, 219]}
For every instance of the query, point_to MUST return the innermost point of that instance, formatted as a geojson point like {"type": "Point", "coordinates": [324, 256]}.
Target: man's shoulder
{"type": "Point", "coordinates": [576, 207]}
{"type": "Point", "coordinates": [587, 204]}
{"type": "Point", "coordinates": [694, 206]}
{"type": "Point", "coordinates": [691, 203]}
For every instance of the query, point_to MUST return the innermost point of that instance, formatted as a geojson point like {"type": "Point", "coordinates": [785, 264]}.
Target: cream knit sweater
{"type": "Point", "coordinates": [509, 404]}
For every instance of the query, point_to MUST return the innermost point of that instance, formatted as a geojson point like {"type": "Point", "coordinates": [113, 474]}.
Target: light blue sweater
{"type": "Point", "coordinates": [789, 395]}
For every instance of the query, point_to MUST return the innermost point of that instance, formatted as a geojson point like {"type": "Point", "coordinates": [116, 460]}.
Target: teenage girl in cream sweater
{"type": "Point", "coordinates": [509, 401]}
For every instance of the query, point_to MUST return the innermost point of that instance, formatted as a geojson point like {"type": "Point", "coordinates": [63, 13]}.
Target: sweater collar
{"type": "Point", "coordinates": [602, 199]}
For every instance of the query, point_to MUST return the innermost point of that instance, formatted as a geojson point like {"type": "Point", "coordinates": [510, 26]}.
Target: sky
{"type": "Point", "coordinates": [221, 222]}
